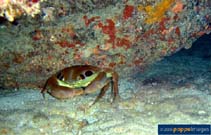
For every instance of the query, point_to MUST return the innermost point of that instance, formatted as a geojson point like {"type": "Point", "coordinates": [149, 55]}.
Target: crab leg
{"type": "Point", "coordinates": [60, 92]}
{"type": "Point", "coordinates": [101, 94]}
{"type": "Point", "coordinates": [114, 86]}
{"type": "Point", "coordinates": [98, 83]}
{"type": "Point", "coordinates": [102, 82]}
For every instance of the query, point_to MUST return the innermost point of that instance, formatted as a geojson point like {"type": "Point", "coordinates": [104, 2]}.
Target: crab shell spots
{"type": "Point", "coordinates": [82, 76]}
{"type": "Point", "coordinates": [88, 73]}
{"type": "Point", "coordinates": [60, 76]}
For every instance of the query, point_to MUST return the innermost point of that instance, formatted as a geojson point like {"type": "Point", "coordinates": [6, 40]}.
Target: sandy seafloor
{"type": "Point", "coordinates": [174, 90]}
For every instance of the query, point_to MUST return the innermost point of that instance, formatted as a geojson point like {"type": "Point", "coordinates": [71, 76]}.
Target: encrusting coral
{"type": "Point", "coordinates": [11, 9]}
{"type": "Point", "coordinates": [156, 13]}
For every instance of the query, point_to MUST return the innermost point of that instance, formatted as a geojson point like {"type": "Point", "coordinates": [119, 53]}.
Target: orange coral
{"type": "Point", "coordinates": [156, 13]}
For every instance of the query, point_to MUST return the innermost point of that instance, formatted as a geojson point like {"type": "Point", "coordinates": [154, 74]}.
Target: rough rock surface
{"type": "Point", "coordinates": [123, 35]}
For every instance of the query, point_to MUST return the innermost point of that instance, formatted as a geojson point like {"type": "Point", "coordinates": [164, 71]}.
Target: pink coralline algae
{"type": "Point", "coordinates": [128, 11]}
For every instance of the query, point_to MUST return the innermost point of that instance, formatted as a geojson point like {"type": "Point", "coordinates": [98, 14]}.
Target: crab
{"type": "Point", "coordinates": [82, 79]}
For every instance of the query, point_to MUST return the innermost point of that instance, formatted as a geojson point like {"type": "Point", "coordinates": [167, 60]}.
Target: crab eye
{"type": "Point", "coordinates": [88, 73]}
{"type": "Point", "coordinates": [60, 76]}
